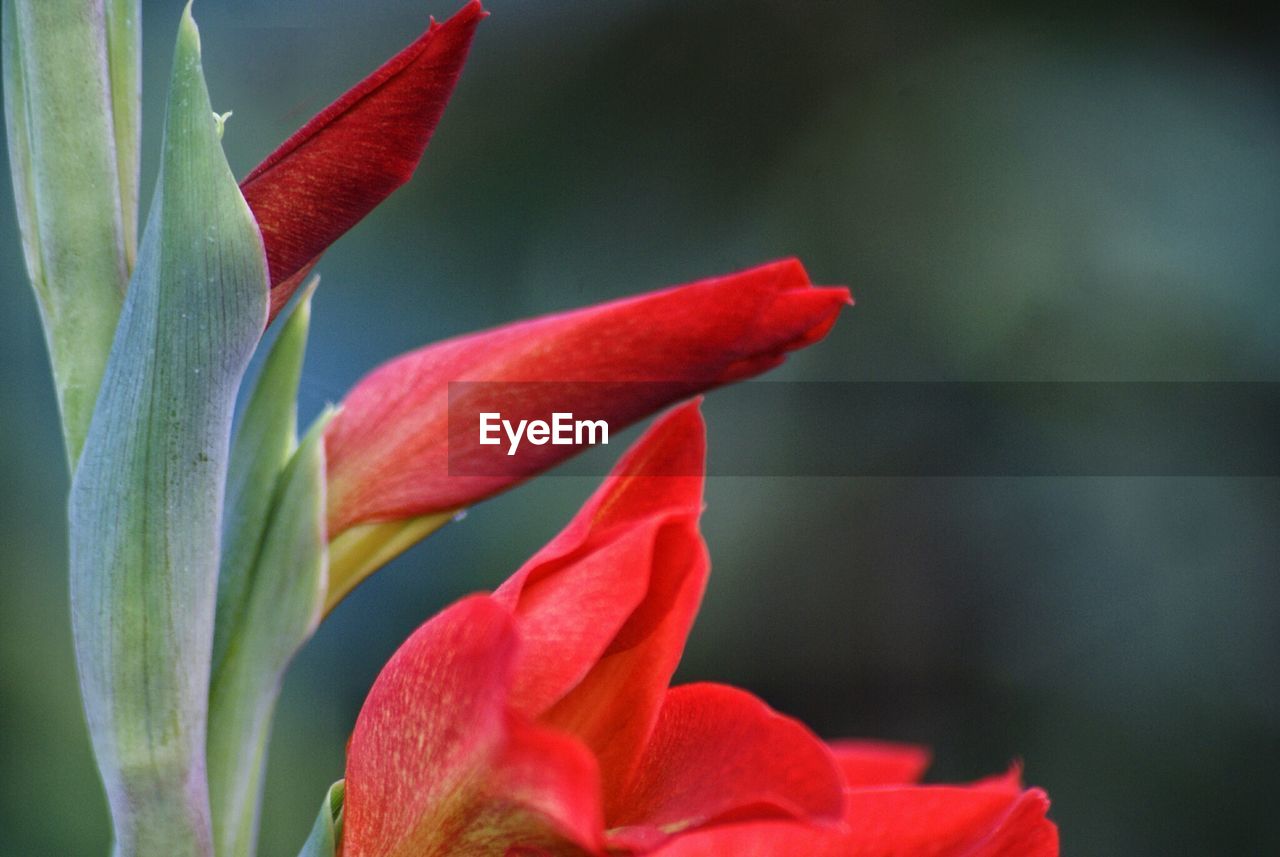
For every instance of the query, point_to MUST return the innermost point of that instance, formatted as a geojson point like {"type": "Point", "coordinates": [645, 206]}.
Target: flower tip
{"type": "Point", "coordinates": [675, 445]}
{"type": "Point", "coordinates": [472, 13]}
{"type": "Point", "coordinates": [689, 414]}
{"type": "Point", "coordinates": [792, 276]}
{"type": "Point", "coordinates": [1011, 779]}
{"type": "Point", "coordinates": [475, 7]}
{"type": "Point", "coordinates": [787, 273]}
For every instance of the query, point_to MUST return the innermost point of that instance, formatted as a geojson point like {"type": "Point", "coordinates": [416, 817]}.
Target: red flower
{"type": "Point", "coordinates": [393, 445]}
{"type": "Point", "coordinates": [539, 720]}
{"type": "Point", "coordinates": [354, 153]}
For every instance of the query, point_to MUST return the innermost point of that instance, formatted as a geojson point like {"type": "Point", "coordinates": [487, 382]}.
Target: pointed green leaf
{"type": "Point", "coordinates": [146, 500]}
{"type": "Point", "coordinates": [67, 180]}
{"type": "Point", "coordinates": [327, 832]}
{"type": "Point", "coordinates": [266, 438]}
{"type": "Point", "coordinates": [282, 605]}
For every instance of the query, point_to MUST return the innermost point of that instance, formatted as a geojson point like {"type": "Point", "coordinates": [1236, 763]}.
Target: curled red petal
{"type": "Point", "coordinates": [394, 451]}
{"type": "Point", "coordinates": [719, 754]}
{"type": "Point", "coordinates": [902, 821]}
{"type": "Point", "coordinates": [604, 609]}
{"type": "Point", "coordinates": [614, 708]}
{"type": "Point", "coordinates": [340, 165]}
{"type": "Point", "coordinates": [879, 763]}
{"type": "Point", "coordinates": [573, 597]}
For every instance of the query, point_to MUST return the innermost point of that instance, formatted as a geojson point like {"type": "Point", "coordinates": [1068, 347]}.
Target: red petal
{"type": "Point", "coordinates": [574, 596]}
{"type": "Point", "coordinates": [907, 821]}
{"type": "Point", "coordinates": [438, 764]}
{"type": "Point", "coordinates": [1010, 781]}
{"type": "Point", "coordinates": [605, 608]}
{"type": "Point", "coordinates": [354, 153]}
{"type": "Point", "coordinates": [717, 754]}
{"type": "Point", "coordinates": [950, 820]}
{"type": "Point", "coordinates": [763, 839]}
{"type": "Point", "coordinates": [392, 446]}
{"type": "Point", "coordinates": [553, 777]}
{"type": "Point", "coordinates": [875, 763]}
{"type": "Point", "coordinates": [435, 713]}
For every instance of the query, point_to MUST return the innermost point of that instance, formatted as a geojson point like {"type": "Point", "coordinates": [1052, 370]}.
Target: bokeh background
{"type": "Point", "coordinates": [1052, 192]}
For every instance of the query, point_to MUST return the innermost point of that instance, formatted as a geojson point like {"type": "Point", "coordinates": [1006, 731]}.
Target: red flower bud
{"type": "Point", "coordinates": [350, 157]}
{"type": "Point", "coordinates": [394, 453]}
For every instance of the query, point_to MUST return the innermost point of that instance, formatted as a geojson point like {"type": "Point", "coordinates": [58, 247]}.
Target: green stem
{"type": "Point", "coordinates": [146, 498]}
{"type": "Point", "coordinates": [74, 181]}
{"type": "Point", "coordinates": [124, 63]}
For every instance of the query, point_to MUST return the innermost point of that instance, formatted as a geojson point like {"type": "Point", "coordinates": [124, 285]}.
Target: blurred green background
{"type": "Point", "coordinates": [1013, 192]}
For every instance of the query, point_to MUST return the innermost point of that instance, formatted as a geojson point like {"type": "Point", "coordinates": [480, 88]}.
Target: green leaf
{"type": "Point", "coordinates": [146, 499]}
{"type": "Point", "coordinates": [267, 436]}
{"type": "Point", "coordinates": [68, 167]}
{"type": "Point", "coordinates": [252, 642]}
{"type": "Point", "coordinates": [281, 608]}
{"type": "Point", "coordinates": [327, 832]}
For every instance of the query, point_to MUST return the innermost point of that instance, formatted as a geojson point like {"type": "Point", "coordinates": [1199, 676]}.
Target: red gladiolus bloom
{"type": "Point", "coordinates": [539, 720]}
{"type": "Point", "coordinates": [354, 153]}
{"type": "Point", "coordinates": [392, 447]}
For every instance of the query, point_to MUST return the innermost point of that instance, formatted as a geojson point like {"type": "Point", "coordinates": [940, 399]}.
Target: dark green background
{"type": "Point", "coordinates": [1013, 193]}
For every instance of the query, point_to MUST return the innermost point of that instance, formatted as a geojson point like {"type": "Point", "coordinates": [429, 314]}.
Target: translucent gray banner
{"type": "Point", "coordinates": [882, 429]}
